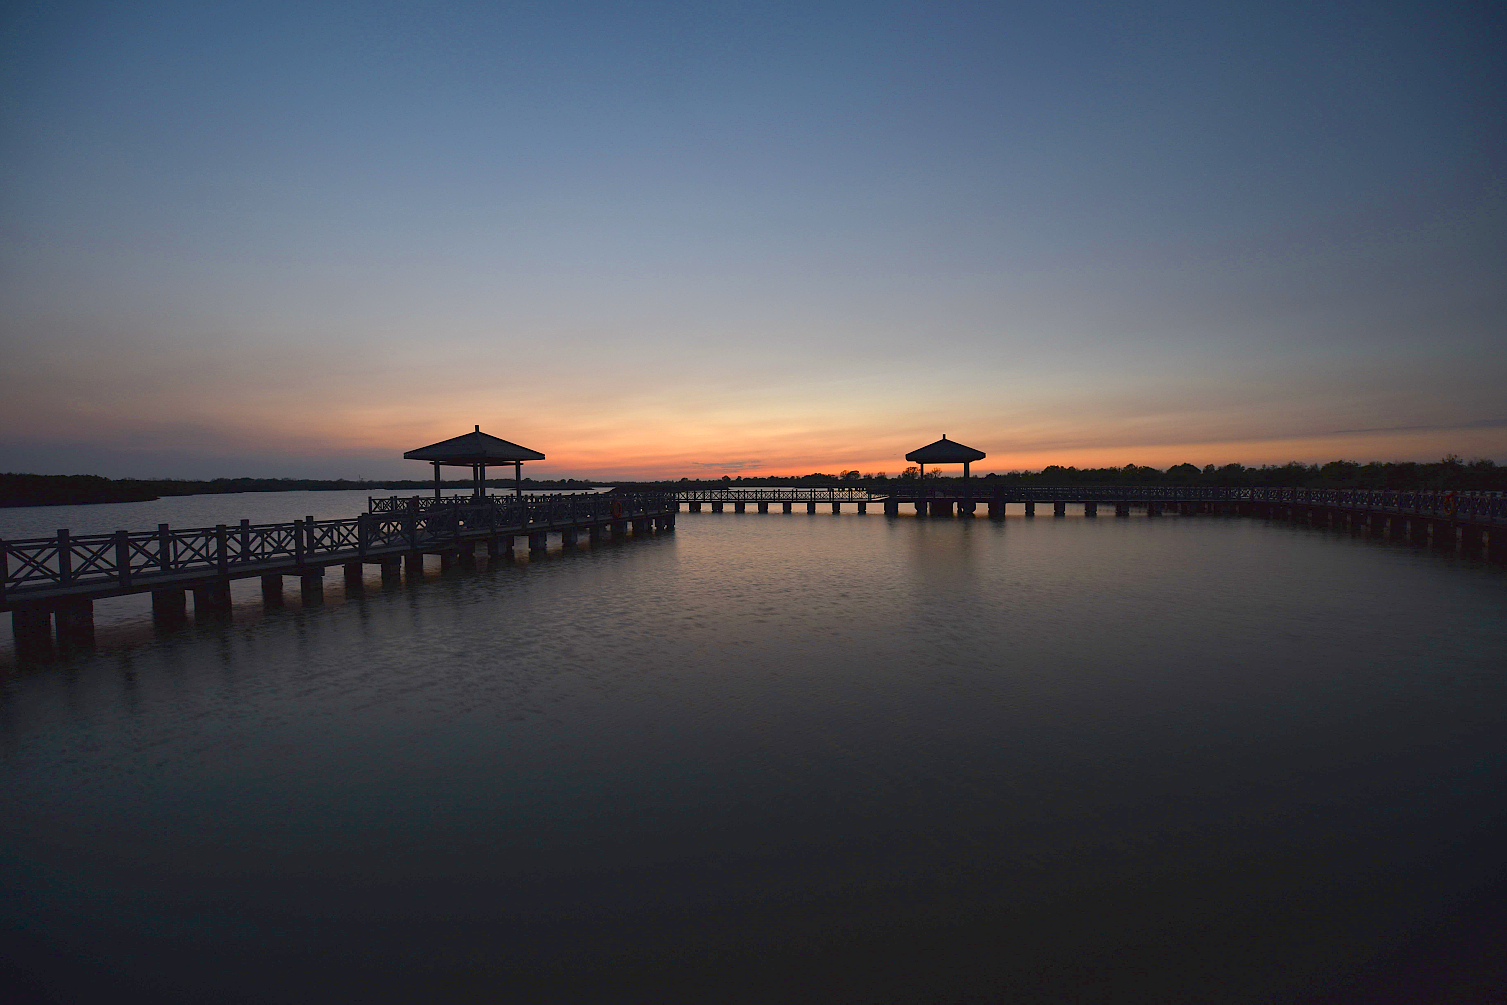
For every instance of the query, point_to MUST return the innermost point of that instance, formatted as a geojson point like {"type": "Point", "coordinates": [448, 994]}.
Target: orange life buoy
{"type": "Point", "coordinates": [617, 508]}
{"type": "Point", "coordinates": [1449, 504]}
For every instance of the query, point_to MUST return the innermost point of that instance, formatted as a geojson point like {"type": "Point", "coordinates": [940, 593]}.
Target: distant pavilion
{"type": "Point", "coordinates": [476, 450]}
{"type": "Point", "coordinates": [945, 451]}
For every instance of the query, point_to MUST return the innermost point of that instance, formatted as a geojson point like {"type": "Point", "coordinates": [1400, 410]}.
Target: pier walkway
{"type": "Point", "coordinates": [60, 577]}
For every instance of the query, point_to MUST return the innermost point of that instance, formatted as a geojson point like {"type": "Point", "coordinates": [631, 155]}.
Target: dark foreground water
{"type": "Point", "coordinates": [784, 758]}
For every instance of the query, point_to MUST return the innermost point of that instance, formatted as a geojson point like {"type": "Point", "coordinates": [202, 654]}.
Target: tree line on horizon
{"type": "Point", "coordinates": [1449, 473]}
{"type": "Point", "coordinates": [65, 490]}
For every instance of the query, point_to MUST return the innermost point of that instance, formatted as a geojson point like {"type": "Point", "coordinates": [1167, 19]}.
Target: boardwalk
{"type": "Point", "coordinates": [43, 580]}
{"type": "Point", "coordinates": [60, 577]}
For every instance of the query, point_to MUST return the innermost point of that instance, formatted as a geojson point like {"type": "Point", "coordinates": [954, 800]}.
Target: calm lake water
{"type": "Point", "coordinates": [774, 757]}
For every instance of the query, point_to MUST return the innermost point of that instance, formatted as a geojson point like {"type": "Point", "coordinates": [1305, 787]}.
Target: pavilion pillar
{"type": "Point", "coordinates": [518, 480]}
{"type": "Point", "coordinates": [436, 479]}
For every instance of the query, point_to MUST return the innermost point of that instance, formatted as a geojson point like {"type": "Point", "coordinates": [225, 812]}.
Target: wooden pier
{"type": "Point", "coordinates": [1473, 522]}
{"type": "Point", "coordinates": [57, 579]}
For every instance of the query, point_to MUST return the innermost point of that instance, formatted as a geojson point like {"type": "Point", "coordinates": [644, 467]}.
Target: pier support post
{"type": "Point", "coordinates": [1090, 509]}
{"type": "Point", "coordinates": [785, 507]}
{"type": "Point", "coordinates": [941, 507]}
{"type": "Point", "coordinates": [1496, 544]}
{"type": "Point", "coordinates": [811, 507]}
{"type": "Point", "coordinates": [641, 526]}
{"type": "Point", "coordinates": [763, 507]}
{"type": "Point", "coordinates": [694, 507]}
{"type": "Point", "coordinates": [1443, 535]}
{"type": "Point", "coordinates": [538, 541]}
{"type": "Point", "coordinates": [272, 591]}
{"type": "Point", "coordinates": [413, 565]}
{"type": "Point", "coordinates": [1153, 509]}
{"type": "Point", "coordinates": [568, 537]}
{"type": "Point", "coordinates": [620, 527]}
{"type": "Point", "coordinates": [996, 509]}
{"type": "Point", "coordinates": [836, 508]}
{"type": "Point", "coordinates": [1418, 529]}
{"type": "Point", "coordinates": [739, 507]}
{"type": "Point", "coordinates": [863, 508]}
{"type": "Point", "coordinates": [32, 627]}
{"type": "Point", "coordinates": [171, 605]}
{"type": "Point", "coordinates": [1030, 509]}
{"type": "Point", "coordinates": [447, 560]}
{"type": "Point", "coordinates": [466, 552]}
{"type": "Point", "coordinates": [1059, 509]}
{"type": "Point", "coordinates": [920, 507]}
{"type": "Point", "coordinates": [76, 621]}
{"type": "Point", "coordinates": [1122, 509]}
{"type": "Point", "coordinates": [668, 522]}
{"type": "Point", "coordinates": [392, 571]}
{"type": "Point", "coordinates": [311, 586]}
{"type": "Point", "coordinates": [716, 507]}
{"type": "Point", "coordinates": [212, 598]}
{"type": "Point", "coordinates": [355, 573]}
{"type": "Point", "coordinates": [1470, 539]}
{"type": "Point", "coordinates": [596, 531]}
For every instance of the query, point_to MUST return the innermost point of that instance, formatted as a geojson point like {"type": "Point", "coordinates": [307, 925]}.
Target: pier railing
{"type": "Point", "coordinates": [127, 560]}
{"type": "Point", "coordinates": [1468, 507]}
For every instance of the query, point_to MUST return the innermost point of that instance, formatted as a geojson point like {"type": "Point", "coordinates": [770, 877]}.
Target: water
{"type": "Point", "coordinates": [776, 757]}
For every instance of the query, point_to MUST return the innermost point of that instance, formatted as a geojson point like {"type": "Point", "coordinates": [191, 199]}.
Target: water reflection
{"type": "Point", "coordinates": [858, 754]}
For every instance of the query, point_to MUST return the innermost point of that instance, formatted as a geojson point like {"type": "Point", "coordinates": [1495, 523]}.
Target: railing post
{"type": "Point", "coordinates": [4, 569]}
{"type": "Point", "coordinates": [245, 541]}
{"type": "Point", "coordinates": [164, 548]}
{"type": "Point", "coordinates": [311, 548]}
{"type": "Point", "coordinates": [123, 558]}
{"type": "Point", "coordinates": [222, 549]}
{"type": "Point", "coordinates": [65, 558]}
{"type": "Point", "coordinates": [298, 542]}
{"type": "Point", "coordinates": [361, 524]}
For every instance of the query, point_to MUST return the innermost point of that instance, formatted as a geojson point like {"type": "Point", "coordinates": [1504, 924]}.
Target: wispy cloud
{"type": "Point", "coordinates": [1477, 424]}
{"type": "Point", "coordinates": [729, 466]}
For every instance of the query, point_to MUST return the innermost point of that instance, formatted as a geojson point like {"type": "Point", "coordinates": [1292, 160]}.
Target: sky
{"type": "Point", "coordinates": [663, 240]}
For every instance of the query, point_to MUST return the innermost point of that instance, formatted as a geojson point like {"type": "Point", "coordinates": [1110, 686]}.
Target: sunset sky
{"type": "Point", "coordinates": [664, 240]}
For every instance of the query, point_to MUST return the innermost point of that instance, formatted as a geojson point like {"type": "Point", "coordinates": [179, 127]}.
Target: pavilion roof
{"type": "Point", "coordinates": [944, 451]}
{"type": "Point", "coordinates": [474, 448]}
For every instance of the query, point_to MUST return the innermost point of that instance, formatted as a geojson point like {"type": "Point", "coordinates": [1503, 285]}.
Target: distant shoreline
{"type": "Point", "coordinates": [85, 490]}
{"type": "Point", "coordinates": [1449, 473]}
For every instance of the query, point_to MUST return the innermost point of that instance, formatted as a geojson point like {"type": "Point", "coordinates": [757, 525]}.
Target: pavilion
{"type": "Point", "coordinates": [945, 451]}
{"type": "Point", "coordinates": [476, 450]}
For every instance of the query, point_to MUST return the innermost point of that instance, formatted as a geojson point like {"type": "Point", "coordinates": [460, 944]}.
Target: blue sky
{"type": "Point", "coordinates": [665, 240]}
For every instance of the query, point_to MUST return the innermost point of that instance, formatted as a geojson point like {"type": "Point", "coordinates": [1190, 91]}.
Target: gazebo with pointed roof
{"type": "Point", "coordinates": [476, 450]}
{"type": "Point", "coordinates": [945, 451]}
